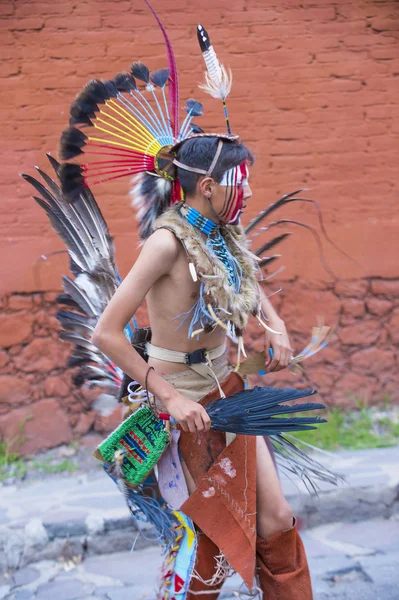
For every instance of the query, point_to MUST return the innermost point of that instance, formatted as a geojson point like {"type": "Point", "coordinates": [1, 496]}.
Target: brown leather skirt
{"type": "Point", "coordinates": [223, 504]}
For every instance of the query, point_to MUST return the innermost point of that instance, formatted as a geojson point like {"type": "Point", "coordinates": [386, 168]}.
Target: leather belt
{"type": "Point", "coordinates": [187, 358]}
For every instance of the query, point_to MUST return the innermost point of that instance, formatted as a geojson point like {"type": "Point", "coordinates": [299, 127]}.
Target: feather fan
{"type": "Point", "coordinates": [83, 229]}
{"type": "Point", "coordinates": [256, 411]}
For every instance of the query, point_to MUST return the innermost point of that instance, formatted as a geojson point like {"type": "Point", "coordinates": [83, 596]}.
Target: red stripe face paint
{"type": "Point", "coordinates": [234, 180]}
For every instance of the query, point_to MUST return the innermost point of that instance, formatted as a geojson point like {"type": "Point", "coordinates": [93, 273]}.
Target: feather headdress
{"type": "Point", "coordinates": [127, 126]}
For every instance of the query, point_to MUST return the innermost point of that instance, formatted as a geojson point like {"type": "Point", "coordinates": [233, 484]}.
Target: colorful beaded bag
{"type": "Point", "coordinates": [142, 438]}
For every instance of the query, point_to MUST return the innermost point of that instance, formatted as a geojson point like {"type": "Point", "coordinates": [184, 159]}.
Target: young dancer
{"type": "Point", "coordinates": [202, 285]}
{"type": "Point", "coordinates": [235, 495]}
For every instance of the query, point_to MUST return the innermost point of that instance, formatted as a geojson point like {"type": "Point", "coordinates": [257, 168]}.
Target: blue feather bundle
{"type": "Point", "coordinates": [257, 411]}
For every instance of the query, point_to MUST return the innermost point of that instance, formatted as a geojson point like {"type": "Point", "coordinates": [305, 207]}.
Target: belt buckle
{"type": "Point", "coordinates": [198, 356]}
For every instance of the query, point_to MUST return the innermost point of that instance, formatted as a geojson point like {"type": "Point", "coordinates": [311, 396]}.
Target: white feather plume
{"type": "Point", "coordinates": [218, 79]}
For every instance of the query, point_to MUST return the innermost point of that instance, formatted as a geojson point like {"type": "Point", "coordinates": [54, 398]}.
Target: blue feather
{"type": "Point", "coordinates": [254, 412]}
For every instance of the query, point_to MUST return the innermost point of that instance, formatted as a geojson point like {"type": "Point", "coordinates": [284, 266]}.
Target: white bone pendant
{"type": "Point", "coordinates": [193, 272]}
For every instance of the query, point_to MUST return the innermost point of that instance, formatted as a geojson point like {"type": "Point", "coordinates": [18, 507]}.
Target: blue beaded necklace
{"type": "Point", "coordinates": [216, 243]}
{"type": "Point", "coordinates": [197, 220]}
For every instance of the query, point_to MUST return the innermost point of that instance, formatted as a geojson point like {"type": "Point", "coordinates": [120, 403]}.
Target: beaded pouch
{"type": "Point", "coordinates": [143, 438]}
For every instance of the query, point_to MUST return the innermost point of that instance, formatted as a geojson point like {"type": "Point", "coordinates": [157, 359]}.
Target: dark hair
{"type": "Point", "coordinates": [199, 153]}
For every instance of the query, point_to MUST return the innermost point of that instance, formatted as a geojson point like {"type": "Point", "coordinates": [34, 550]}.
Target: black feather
{"type": "Point", "coordinates": [83, 229]}
{"type": "Point", "coordinates": [95, 92]}
{"type": "Point", "coordinates": [111, 88]}
{"type": "Point", "coordinates": [194, 107]}
{"type": "Point", "coordinates": [291, 198]}
{"type": "Point", "coordinates": [195, 128]}
{"type": "Point", "coordinates": [260, 398]}
{"type": "Point", "coordinates": [50, 182]}
{"type": "Point", "coordinates": [66, 315]}
{"type": "Point", "coordinates": [264, 213]}
{"type": "Point", "coordinates": [77, 361]}
{"type": "Point", "coordinates": [81, 356]}
{"type": "Point", "coordinates": [81, 115]}
{"type": "Point", "coordinates": [72, 181]}
{"type": "Point", "coordinates": [203, 38]}
{"type": "Point", "coordinates": [268, 260]}
{"type": "Point", "coordinates": [74, 267]}
{"type": "Point", "coordinates": [139, 71]}
{"type": "Point", "coordinates": [80, 296]}
{"type": "Point", "coordinates": [81, 329]}
{"type": "Point", "coordinates": [79, 379]}
{"type": "Point", "coordinates": [160, 77]}
{"type": "Point", "coordinates": [77, 340]}
{"type": "Point", "coordinates": [40, 188]}
{"type": "Point", "coordinates": [317, 239]}
{"type": "Point", "coordinates": [270, 244]}
{"type": "Point", "coordinates": [84, 108]}
{"type": "Point", "coordinates": [54, 163]}
{"type": "Point", "coordinates": [71, 143]}
{"type": "Point", "coordinates": [60, 224]}
{"type": "Point", "coordinates": [67, 300]}
{"type": "Point", "coordinates": [124, 82]}
{"type": "Point", "coordinates": [86, 103]}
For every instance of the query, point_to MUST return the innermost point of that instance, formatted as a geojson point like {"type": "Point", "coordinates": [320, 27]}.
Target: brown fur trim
{"type": "Point", "coordinates": [207, 265]}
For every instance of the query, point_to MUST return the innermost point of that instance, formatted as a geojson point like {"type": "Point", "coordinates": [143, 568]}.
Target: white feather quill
{"type": "Point", "coordinates": [218, 79]}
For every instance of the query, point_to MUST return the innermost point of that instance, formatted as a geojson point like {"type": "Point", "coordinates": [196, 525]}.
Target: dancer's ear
{"type": "Point", "coordinates": [206, 187]}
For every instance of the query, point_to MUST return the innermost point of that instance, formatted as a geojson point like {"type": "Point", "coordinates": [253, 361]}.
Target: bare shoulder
{"type": "Point", "coordinates": [164, 239]}
{"type": "Point", "coordinates": [164, 242]}
{"type": "Point", "coordinates": [162, 247]}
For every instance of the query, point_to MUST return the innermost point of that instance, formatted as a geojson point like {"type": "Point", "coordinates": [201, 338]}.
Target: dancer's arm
{"type": "Point", "coordinates": [156, 260]}
{"type": "Point", "coordinates": [280, 344]}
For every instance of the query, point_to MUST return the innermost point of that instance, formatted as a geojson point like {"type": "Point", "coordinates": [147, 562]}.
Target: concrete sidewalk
{"type": "Point", "coordinates": [37, 517]}
{"type": "Point", "coordinates": [358, 560]}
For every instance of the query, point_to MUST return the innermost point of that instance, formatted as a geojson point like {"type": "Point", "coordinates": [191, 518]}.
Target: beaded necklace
{"type": "Point", "coordinates": [216, 243]}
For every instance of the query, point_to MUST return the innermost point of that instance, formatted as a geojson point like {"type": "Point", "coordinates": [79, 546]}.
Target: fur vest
{"type": "Point", "coordinates": [227, 305]}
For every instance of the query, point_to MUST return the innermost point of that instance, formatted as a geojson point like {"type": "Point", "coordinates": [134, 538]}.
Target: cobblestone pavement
{"type": "Point", "coordinates": [347, 561]}
{"type": "Point", "coordinates": [352, 536]}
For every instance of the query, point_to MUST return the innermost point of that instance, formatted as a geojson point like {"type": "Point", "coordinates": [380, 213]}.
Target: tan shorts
{"type": "Point", "coordinates": [192, 385]}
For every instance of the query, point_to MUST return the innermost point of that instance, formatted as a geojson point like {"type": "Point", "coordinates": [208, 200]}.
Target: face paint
{"type": "Point", "coordinates": [234, 180]}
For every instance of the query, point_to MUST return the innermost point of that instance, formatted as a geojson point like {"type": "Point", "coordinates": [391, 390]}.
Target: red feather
{"type": "Point", "coordinates": [173, 78]}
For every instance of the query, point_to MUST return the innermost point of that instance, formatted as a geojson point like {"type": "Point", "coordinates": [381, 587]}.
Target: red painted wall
{"type": "Point", "coordinates": [314, 95]}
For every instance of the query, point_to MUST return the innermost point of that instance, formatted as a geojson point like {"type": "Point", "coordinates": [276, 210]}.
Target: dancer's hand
{"type": "Point", "coordinates": [280, 344]}
{"type": "Point", "coordinates": [190, 415]}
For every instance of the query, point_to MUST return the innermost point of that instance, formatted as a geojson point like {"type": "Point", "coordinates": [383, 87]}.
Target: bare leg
{"type": "Point", "coordinates": [273, 511]}
{"type": "Point", "coordinates": [188, 477]}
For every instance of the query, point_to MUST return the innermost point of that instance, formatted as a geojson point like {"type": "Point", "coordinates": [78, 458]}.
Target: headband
{"type": "Point", "coordinates": [209, 172]}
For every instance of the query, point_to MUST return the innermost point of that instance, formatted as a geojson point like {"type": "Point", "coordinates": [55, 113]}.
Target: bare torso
{"type": "Point", "coordinates": [170, 296]}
